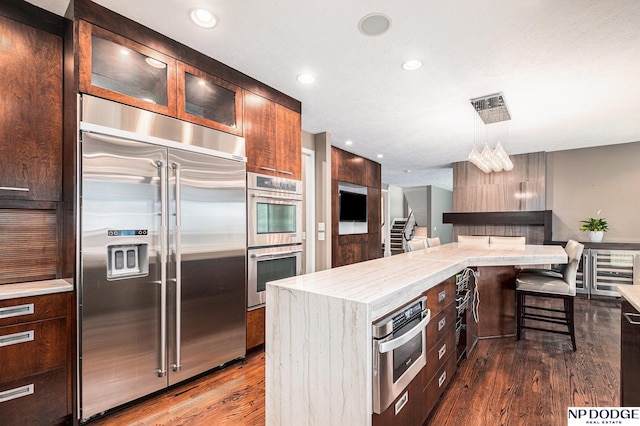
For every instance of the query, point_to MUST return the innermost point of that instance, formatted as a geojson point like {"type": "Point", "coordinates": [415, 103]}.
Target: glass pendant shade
{"type": "Point", "coordinates": [476, 159]}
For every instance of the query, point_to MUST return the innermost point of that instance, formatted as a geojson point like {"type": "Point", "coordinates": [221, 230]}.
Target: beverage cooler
{"type": "Point", "coordinates": [602, 271]}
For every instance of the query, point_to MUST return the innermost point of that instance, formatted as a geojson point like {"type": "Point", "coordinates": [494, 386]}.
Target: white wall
{"type": "Point", "coordinates": [396, 202]}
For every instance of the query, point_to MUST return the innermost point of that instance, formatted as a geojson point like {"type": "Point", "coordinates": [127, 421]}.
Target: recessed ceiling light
{"type": "Point", "coordinates": [380, 156]}
{"type": "Point", "coordinates": [203, 18]}
{"type": "Point", "coordinates": [411, 65]}
{"type": "Point", "coordinates": [374, 24]}
{"type": "Point", "coordinates": [306, 78]}
{"type": "Point", "coordinates": [348, 143]}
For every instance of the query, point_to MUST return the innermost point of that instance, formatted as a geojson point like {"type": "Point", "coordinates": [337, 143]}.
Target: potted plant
{"type": "Point", "coordinates": [596, 227]}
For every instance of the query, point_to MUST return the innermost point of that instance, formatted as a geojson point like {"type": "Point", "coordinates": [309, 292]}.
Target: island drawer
{"type": "Point", "coordinates": [441, 296]}
{"type": "Point", "coordinates": [438, 355]}
{"type": "Point", "coordinates": [443, 376]}
{"type": "Point", "coordinates": [441, 324]}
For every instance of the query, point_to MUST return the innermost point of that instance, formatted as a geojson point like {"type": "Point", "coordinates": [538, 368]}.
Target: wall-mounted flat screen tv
{"type": "Point", "coordinates": [353, 206]}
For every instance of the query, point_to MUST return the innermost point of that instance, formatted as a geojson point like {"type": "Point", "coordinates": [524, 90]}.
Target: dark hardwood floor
{"type": "Point", "coordinates": [531, 382]}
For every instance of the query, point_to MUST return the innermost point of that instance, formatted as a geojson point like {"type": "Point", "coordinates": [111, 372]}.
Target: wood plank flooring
{"type": "Point", "coordinates": [503, 382]}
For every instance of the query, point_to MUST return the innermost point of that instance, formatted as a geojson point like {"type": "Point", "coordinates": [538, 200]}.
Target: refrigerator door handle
{"type": "Point", "coordinates": [162, 371]}
{"type": "Point", "coordinates": [176, 168]}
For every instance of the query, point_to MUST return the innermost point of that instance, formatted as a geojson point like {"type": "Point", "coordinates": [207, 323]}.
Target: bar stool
{"type": "Point", "coordinates": [473, 240]}
{"type": "Point", "coordinates": [416, 244]}
{"type": "Point", "coordinates": [433, 242]}
{"type": "Point", "coordinates": [507, 241]}
{"type": "Point", "coordinates": [549, 284]}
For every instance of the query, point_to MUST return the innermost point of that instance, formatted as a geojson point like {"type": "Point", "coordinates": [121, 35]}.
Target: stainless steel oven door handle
{"type": "Point", "coordinates": [385, 347]}
{"type": "Point", "coordinates": [274, 197]}
{"type": "Point", "coordinates": [278, 254]}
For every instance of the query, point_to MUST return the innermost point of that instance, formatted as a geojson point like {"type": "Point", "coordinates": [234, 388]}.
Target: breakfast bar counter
{"type": "Point", "coordinates": [319, 326]}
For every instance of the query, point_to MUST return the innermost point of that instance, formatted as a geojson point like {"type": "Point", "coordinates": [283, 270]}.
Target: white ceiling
{"type": "Point", "coordinates": [569, 70]}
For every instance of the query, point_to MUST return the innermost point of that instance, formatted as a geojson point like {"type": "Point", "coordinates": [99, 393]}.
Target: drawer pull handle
{"type": "Point", "coordinates": [10, 394]}
{"type": "Point", "coordinates": [15, 338]}
{"type": "Point", "coordinates": [442, 378]}
{"type": "Point", "coordinates": [628, 316]}
{"type": "Point", "coordinates": [13, 188]}
{"type": "Point", "coordinates": [269, 169]}
{"type": "Point", "coordinates": [15, 311]}
{"type": "Point", "coordinates": [442, 351]}
{"type": "Point", "coordinates": [442, 295]}
{"type": "Point", "coordinates": [442, 323]}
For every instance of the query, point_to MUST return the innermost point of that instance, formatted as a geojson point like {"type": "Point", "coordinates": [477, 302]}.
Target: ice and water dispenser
{"type": "Point", "coordinates": [127, 260]}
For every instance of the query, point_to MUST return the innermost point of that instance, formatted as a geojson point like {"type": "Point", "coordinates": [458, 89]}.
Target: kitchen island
{"type": "Point", "coordinates": [319, 334]}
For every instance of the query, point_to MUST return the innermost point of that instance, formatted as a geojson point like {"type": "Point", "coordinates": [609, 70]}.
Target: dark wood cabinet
{"type": "Point", "coordinates": [34, 347]}
{"type": "Point", "coordinates": [255, 328]}
{"type": "Point", "coordinates": [288, 143]}
{"type": "Point", "coordinates": [208, 100]}
{"type": "Point", "coordinates": [629, 360]}
{"type": "Point", "coordinates": [273, 137]}
{"type": "Point", "coordinates": [30, 113]}
{"type": "Point", "coordinates": [116, 68]}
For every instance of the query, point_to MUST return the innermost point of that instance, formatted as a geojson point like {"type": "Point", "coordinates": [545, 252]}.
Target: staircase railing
{"type": "Point", "coordinates": [407, 231]}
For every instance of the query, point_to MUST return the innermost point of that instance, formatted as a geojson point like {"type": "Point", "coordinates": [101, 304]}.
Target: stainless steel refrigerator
{"type": "Point", "coordinates": [161, 253]}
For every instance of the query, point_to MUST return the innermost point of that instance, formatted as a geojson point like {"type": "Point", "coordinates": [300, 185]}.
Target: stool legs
{"type": "Point", "coordinates": [567, 320]}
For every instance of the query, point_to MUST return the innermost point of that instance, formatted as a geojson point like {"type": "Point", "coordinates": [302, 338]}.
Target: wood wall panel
{"type": "Point", "coordinates": [348, 249]}
{"type": "Point", "coordinates": [29, 249]}
{"type": "Point", "coordinates": [522, 189]}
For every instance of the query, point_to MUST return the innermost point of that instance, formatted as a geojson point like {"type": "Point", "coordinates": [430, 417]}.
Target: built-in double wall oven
{"type": "Point", "coordinates": [274, 237]}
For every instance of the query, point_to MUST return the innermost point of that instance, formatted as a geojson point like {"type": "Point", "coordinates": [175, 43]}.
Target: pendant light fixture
{"type": "Point", "coordinates": [491, 109]}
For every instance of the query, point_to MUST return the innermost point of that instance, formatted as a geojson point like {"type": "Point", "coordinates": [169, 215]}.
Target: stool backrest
{"type": "Point", "coordinates": [416, 244]}
{"type": "Point", "coordinates": [420, 232]}
{"type": "Point", "coordinates": [574, 253]}
{"type": "Point", "coordinates": [433, 242]}
{"type": "Point", "coordinates": [473, 240]}
{"type": "Point", "coordinates": [507, 241]}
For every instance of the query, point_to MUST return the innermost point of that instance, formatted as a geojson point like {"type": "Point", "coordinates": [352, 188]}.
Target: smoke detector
{"type": "Point", "coordinates": [491, 108]}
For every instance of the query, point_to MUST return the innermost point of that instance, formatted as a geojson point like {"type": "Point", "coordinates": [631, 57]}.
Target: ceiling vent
{"type": "Point", "coordinates": [491, 108]}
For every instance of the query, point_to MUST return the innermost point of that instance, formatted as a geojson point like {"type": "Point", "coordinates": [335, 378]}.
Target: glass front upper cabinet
{"type": "Point", "coordinates": [119, 69]}
{"type": "Point", "coordinates": [208, 100]}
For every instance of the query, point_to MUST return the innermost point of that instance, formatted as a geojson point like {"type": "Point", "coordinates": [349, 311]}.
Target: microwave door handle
{"type": "Point", "coordinates": [176, 167]}
{"type": "Point", "coordinates": [280, 253]}
{"type": "Point", "coordinates": [273, 197]}
{"type": "Point", "coordinates": [396, 343]}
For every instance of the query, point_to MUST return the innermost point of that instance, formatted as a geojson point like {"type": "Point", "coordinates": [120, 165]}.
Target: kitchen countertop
{"type": "Point", "coordinates": [386, 283]}
{"type": "Point", "coordinates": [632, 294]}
{"type": "Point", "coordinates": [318, 338]}
{"type": "Point", "coordinates": [35, 288]}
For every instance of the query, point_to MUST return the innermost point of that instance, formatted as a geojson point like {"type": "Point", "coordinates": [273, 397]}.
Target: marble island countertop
{"type": "Point", "coordinates": [632, 294]}
{"type": "Point", "coordinates": [35, 288]}
{"type": "Point", "coordinates": [318, 326]}
{"type": "Point", "coordinates": [385, 283]}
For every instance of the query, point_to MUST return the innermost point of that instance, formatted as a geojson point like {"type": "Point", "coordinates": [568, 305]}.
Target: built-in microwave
{"type": "Point", "coordinates": [274, 210]}
{"type": "Point", "coordinates": [399, 352]}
